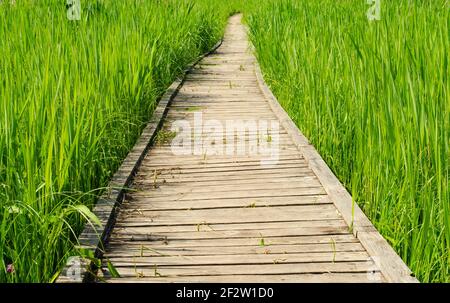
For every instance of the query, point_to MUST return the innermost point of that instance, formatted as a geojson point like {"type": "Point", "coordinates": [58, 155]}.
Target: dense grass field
{"type": "Point", "coordinates": [74, 96]}
{"type": "Point", "coordinates": [374, 99]}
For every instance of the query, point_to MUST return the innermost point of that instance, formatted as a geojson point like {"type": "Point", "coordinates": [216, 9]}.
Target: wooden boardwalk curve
{"type": "Point", "coordinates": [229, 218]}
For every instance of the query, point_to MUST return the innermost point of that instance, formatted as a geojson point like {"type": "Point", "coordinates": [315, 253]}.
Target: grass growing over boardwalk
{"type": "Point", "coordinates": [374, 98]}
{"type": "Point", "coordinates": [73, 99]}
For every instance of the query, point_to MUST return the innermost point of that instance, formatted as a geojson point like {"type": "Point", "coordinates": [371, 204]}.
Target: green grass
{"type": "Point", "coordinates": [74, 97]}
{"type": "Point", "coordinates": [373, 98]}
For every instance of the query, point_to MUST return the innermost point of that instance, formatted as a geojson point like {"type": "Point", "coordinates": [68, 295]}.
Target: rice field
{"type": "Point", "coordinates": [371, 96]}
{"type": "Point", "coordinates": [74, 96]}
{"type": "Point", "coordinates": [374, 99]}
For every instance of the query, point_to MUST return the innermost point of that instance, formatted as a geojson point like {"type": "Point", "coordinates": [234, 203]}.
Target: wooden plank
{"type": "Point", "coordinates": [199, 157]}
{"type": "Point", "coordinates": [231, 226]}
{"type": "Point", "coordinates": [261, 269]}
{"type": "Point", "coordinates": [129, 250]}
{"type": "Point", "coordinates": [261, 175]}
{"type": "Point", "coordinates": [242, 92]}
{"type": "Point", "coordinates": [224, 170]}
{"type": "Point", "coordinates": [248, 77]}
{"type": "Point", "coordinates": [218, 84]}
{"type": "Point", "coordinates": [247, 211]}
{"type": "Point", "coordinates": [229, 218]}
{"type": "Point", "coordinates": [294, 240]}
{"type": "Point", "coordinates": [392, 266]}
{"type": "Point", "coordinates": [256, 171]}
{"type": "Point", "coordinates": [189, 109]}
{"type": "Point", "coordinates": [186, 107]}
{"type": "Point", "coordinates": [146, 234]}
{"type": "Point", "coordinates": [257, 178]}
{"type": "Point", "coordinates": [167, 151]}
{"type": "Point", "coordinates": [385, 258]}
{"type": "Point", "coordinates": [284, 278]}
{"type": "Point", "coordinates": [137, 204]}
{"type": "Point", "coordinates": [92, 238]}
{"type": "Point", "coordinates": [228, 146]}
{"type": "Point", "coordinates": [220, 100]}
{"type": "Point", "coordinates": [246, 194]}
{"type": "Point", "coordinates": [294, 258]}
{"type": "Point", "coordinates": [216, 219]}
{"type": "Point", "coordinates": [247, 164]}
{"type": "Point", "coordinates": [162, 164]}
{"type": "Point", "coordinates": [168, 189]}
{"type": "Point", "coordinates": [176, 116]}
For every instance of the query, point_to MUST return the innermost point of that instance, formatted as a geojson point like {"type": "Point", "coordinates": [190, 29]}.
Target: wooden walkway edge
{"type": "Point", "coordinates": [230, 218]}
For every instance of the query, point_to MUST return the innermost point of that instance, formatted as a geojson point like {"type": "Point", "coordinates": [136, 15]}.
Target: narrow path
{"type": "Point", "coordinates": [259, 216]}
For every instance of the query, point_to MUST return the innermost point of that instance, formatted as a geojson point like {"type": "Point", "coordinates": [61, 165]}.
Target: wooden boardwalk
{"type": "Point", "coordinates": [230, 217]}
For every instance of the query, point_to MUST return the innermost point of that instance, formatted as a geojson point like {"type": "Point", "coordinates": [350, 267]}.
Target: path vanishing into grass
{"type": "Point", "coordinates": [279, 216]}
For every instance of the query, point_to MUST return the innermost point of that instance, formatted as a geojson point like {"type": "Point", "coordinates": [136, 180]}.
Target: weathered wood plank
{"type": "Point", "coordinates": [150, 181]}
{"type": "Point", "coordinates": [204, 242]}
{"type": "Point", "coordinates": [247, 164]}
{"type": "Point", "coordinates": [258, 236]}
{"type": "Point", "coordinates": [229, 170]}
{"type": "Point", "coordinates": [260, 269]}
{"type": "Point", "coordinates": [119, 251]}
{"type": "Point", "coordinates": [184, 260]}
{"type": "Point", "coordinates": [284, 278]}
{"type": "Point", "coordinates": [137, 204]}
{"type": "Point", "coordinates": [260, 175]}
{"type": "Point", "coordinates": [93, 238]}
